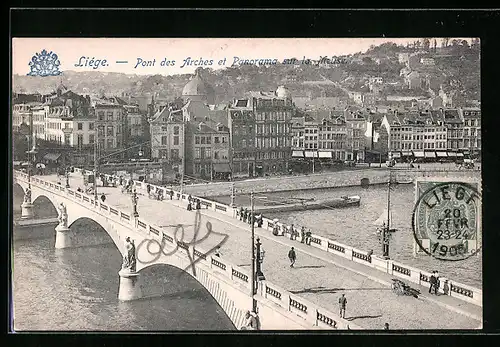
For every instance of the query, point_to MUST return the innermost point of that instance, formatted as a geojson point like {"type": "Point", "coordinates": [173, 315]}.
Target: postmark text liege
{"type": "Point", "coordinates": [447, 215]}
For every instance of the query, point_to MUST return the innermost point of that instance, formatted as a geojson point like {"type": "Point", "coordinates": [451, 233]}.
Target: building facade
{"type": "Point", "coordinates": [261, 132]}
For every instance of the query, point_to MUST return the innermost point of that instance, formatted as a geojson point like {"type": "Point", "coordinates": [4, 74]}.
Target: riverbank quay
{"type": "Point", "coordinates": [326, 180]}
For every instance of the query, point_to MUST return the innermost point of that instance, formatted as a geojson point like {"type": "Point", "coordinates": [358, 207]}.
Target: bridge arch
{"type": "Point", "coordinates": [44, 207]}
{"type": "Point", "coordinates": [85, 232]}
{"type": "Point", "coordinates": [171, 282]}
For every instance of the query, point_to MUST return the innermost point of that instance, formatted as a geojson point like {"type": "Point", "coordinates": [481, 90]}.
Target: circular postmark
{"type": "Point", "coordinates": [446, 221]}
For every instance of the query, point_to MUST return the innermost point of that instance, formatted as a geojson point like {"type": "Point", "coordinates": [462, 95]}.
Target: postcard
{"type": "Point", "coordinates": [219, 184]}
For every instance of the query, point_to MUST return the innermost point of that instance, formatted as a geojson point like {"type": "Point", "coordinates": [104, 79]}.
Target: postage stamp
{"type": "Point", "coordinates": [446, 220]}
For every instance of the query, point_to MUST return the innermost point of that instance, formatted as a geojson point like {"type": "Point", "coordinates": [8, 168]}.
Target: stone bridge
{"type": "Point", "coordinates": [229, 284]}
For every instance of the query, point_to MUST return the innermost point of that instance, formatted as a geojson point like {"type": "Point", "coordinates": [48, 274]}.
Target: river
{"type": "Point", "coordinates": [76, 289]}
{"type": "Point", "coordinates": [353, 226]}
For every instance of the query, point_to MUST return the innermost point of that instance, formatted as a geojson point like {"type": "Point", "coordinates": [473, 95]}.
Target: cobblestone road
{"type": "Point", "coordinates": [318, 276]}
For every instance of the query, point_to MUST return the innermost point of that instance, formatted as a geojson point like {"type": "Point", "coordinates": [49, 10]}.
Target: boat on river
{"type": "Point", "coordinates": [312, 204]}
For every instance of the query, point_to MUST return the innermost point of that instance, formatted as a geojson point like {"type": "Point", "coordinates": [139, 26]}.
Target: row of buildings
{"type": "Point", "coordinates": [67, 125]}
{"type": "Point", "coordinates": [261, 133]}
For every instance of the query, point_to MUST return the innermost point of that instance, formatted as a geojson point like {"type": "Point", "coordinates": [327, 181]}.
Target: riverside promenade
{"type": "Point", "coordinates": [319, 276]}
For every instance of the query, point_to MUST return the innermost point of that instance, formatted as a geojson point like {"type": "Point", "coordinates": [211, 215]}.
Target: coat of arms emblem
{"type": "Point", "coordinates": [44, 64]}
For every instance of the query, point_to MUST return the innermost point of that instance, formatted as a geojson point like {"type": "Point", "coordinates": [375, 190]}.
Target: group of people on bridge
{"type": "Point", "coordinates": [244, 215]}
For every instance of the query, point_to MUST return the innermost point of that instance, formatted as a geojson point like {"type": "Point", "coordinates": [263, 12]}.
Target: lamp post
{"type": "Point", "coordinates": [96, 162]}
{"type": "Point", "coordinates": [260, 258]}
{"type": "Point", "coordinates": [385, 231]}
{"type": "Point", "coordinates": [134, 204]}
{"type": "Point", "coordinates": [254, 302]}
{"type": "Point", "coordinates": [182, 175]}
{"type": "Point", "coordinates": [232, 194]}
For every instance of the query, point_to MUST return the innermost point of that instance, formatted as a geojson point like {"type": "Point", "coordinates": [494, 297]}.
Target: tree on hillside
{"type": "Point", "coordinates": [426, 43]}
{"type": "Point", "coordinates": [367, 60]}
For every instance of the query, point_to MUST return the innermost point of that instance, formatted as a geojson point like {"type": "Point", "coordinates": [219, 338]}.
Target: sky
{"type": "Point", "coordinates": [144, 56]}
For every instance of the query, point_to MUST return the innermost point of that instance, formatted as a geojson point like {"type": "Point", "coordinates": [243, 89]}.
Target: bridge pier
{"type": "Point", "coordinates": [27, 210]}
{"type": "Point", "coordinates": [130, 288]}
{"type": "Point", "coordinates": [63, 237]}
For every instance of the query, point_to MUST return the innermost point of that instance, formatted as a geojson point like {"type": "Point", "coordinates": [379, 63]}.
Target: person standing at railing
{"type": "Point", "coordinates": [198, 204]}
{"type": "Point", "coordinates": [302, 234]}
{"type": "Point", "coordinates": [292, 232]}
{"type": "Point", "coordinates": [432, 281]}
{"type": "Point", "coordinates": [103, 197]}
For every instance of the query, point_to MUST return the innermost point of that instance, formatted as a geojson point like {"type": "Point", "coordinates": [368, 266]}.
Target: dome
{"type": "Point", "coordinates": [282, 92]}
{"type": "Point", "coordinates": [197, 87]}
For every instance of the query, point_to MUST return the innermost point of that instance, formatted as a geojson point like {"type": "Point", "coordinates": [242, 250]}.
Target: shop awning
{"type": "Point", "coordinates": [418, 154]}
{"type": "Point", "coordinates": [52, 156]}
{"type": "Point", "coordinates": [311, 154]}
{"type": "Point", "coordinates": [298, 154]}
{"type": "Point", "coordinates": [325, 154]}
{"type": "Point", "coordinates": [406, 153]}
{"type": "Point", "coordinates": [441, 154]}
{"type": "Point", "coordinates": [452, 154]}
{"type": "Point", "coordinates": [460, 154]}
{"type": "Point", "coordinates": [222, 167]}
{"type": "Point", "coordinates": [396, 154]}
{"type": "Point", "coordinates": [430, 154]}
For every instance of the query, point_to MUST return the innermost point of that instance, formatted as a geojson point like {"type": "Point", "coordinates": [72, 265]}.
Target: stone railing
{"type": "Point", "coordinates": [302, 307]}
{"type": "Point", "coordinates": [455, 289]}
{"type": "Point", "coordinates": [293, 304]}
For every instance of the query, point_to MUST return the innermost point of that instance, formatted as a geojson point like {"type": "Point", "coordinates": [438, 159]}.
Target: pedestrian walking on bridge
{"type": "Point", "coordinates": [292, 256]}
{"type": "Point", "coordinates": [342, 304]}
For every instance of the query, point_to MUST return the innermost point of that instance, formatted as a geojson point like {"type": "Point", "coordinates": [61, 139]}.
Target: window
{"type": "Point", "coordinates": [176, 140]}
{"type": "Point", "coordinates": [197, 154]}
{"type": "Point", "coordinates": [79, 140]}
{"type": "Point", "coordinates": [163, 153]}
{"type": "Point", "coordinates": [110, 115]}
{"type": "Point", "coordinates": [109, 143]}
{"type": "Point", "coordinates": [101, 115]}
{"type": "Point", "coordinates": [164, 140]}
{"type": "Point", "coordinates": [224, 139]}
{"type": "Point", "coordinates": [174, 153]}
{"type": "Point", "coordinates": [216, 139]}
{"type": "Point", "coordinates": [203, 140]}
{"type": "Point", "coordinates": [209, 140]}
{"type": "Point", "coordinates": [208, 153]}
{"type": "Point", "coordinates": [91, 126]}
{"type": "Point", "coordinates": [196, 140]}
{"type": "Point", "coordinates": [118, 130]}
{"type": "Point", "coordinates": [91, 138]}
{"type": "Point", "coordinates": [80, 126]}
{"type": "Point", "coordinates": [176, 130]}
{"type": "Point", "coordinates": [216, 155]}
{"type": "Point", "coordinates": [109, 131]}
{"type": "Point", "coordinates": [67, 139]}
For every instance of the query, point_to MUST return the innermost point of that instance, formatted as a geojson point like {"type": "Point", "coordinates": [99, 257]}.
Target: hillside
{"type": "Point", "coordinates": [459, 63]}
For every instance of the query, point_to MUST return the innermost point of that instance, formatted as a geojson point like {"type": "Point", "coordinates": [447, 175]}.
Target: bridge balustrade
{"type": "Point", "coordinates": [457, 290]}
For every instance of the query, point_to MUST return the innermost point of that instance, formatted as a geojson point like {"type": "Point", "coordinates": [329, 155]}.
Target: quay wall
{"type": "Point", "coordinates": [351, 178]}
{"type": "Point", "coordinates": [447, 286]}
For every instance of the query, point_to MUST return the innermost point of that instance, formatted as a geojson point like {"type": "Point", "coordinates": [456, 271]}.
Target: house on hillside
{"type": "Point", "coordinates": [403, 58]}
{"type": "Point", "coordinates": [427, 61]}
{"type": "Point", "coordinates": [413, 80]}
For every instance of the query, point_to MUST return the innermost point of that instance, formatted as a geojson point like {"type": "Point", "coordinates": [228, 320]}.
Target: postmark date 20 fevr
{"type": "Point", "coordinates": [447, 215]}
